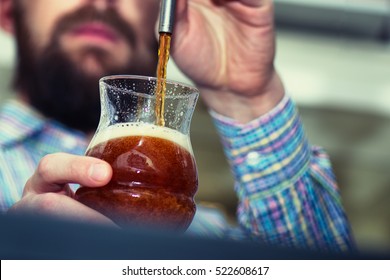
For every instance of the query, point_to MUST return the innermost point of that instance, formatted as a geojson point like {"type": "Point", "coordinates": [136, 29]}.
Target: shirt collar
{"type": "Point", "coordinates": [18, 121]}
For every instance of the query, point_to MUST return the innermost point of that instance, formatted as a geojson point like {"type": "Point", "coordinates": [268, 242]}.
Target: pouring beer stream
{"type": "Point", "coordinates": [167, 12]}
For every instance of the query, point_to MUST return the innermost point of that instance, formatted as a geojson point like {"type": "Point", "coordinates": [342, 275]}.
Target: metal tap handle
{"type": "Point", "coordinates": [167, 16]}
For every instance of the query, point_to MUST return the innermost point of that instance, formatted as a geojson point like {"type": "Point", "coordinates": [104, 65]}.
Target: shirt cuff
{"type": "Point", "coordinates": [267, 154]}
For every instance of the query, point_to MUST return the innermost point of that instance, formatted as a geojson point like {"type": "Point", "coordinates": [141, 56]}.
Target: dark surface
{"type": "Point", "coordinates": [43, 238]}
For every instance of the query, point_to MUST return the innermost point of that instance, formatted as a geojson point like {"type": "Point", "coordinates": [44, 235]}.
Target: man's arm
{"type": "Point", "coordinates": [286, 189]}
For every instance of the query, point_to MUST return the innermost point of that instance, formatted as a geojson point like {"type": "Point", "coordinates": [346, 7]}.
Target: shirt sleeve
{"type": "Point", "coordinates": [286, 189]}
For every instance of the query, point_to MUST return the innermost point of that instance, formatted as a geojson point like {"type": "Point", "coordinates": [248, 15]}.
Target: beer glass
{"type": "Point", "coordinates": [154, 171]}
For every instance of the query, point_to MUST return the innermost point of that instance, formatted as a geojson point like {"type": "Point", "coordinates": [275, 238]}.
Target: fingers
{"type": "Point", "coordinates": [181, 9]}
{"type": "Point", "coordinates": [183, 6]}
{"type": "Point", "coordinates": [47, 192]}
{"type": "Point", "coordinates": [181, 24]}
{"type": "Point", "coordinates": [253, 3]}
{"type": "Point", "coordinates": [59, 206]}
{"type": "Point", "coordinates": [56, 170]}
{"type": "Point", "coordinates": [250, 3]}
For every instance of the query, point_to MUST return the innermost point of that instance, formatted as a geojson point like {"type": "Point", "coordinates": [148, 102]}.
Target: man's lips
{"type": "Point", "coordinates": [98, 31]}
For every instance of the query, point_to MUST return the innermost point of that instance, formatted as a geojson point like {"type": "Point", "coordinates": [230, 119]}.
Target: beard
{"type": "Point", "coordinates": [60, 88]}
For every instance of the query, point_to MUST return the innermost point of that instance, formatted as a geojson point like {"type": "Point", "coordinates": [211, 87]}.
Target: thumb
{"type": "Point", "coordinates": [181, 11]}
{"type": "Point", "coordinates": [181, 24]}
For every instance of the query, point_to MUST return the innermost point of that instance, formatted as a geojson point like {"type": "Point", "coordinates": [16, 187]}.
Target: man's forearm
{"type": "Point", "coordinates": [287, 191]}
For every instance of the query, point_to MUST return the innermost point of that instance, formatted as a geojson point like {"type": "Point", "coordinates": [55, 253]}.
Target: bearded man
{"type": "Point", "coordinates": [286, 188]}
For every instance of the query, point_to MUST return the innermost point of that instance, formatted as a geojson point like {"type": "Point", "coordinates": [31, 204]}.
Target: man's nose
{"type": "Point", "coordinates": [103, 4]}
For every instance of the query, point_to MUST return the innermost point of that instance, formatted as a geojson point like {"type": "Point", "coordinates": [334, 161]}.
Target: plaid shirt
{"type": "Point", "coordinates": [287, 192]}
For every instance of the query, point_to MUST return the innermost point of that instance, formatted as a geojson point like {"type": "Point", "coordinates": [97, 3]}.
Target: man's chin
{"type": "Point", "coordinates": [92, 68]}
{"type": "Point", "coordinates": [94, 64]}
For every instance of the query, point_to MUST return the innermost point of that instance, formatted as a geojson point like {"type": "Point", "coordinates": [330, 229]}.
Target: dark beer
{"type": "Point", "coordinates": [154, 176]}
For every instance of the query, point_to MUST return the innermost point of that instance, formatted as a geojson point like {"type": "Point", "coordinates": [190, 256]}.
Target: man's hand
{"type": "Point", "coordinates": [227, 47]}
{"type": "Point", "coordinates": [47, 192]}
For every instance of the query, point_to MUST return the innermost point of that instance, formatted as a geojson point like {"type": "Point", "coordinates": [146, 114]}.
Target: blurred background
{"type": "Point", "coordinates": [334, 58]}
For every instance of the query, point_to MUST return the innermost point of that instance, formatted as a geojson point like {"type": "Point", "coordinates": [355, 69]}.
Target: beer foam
{"type": "Point", "coordinates": [141, 129]}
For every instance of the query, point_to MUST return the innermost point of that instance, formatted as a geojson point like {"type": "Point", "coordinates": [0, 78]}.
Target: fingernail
{"type": "Point", "coordinates": [98, 172]}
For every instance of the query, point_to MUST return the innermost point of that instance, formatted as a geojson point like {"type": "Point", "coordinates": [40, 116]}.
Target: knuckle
{"type": "Point", "coordinates": [44, 166]}
{"type": "Point", "coordinates": [28, 186]}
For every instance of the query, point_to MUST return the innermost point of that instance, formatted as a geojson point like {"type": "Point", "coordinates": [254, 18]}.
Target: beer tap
{"type": "Point", "coordinates": [167, 16]}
